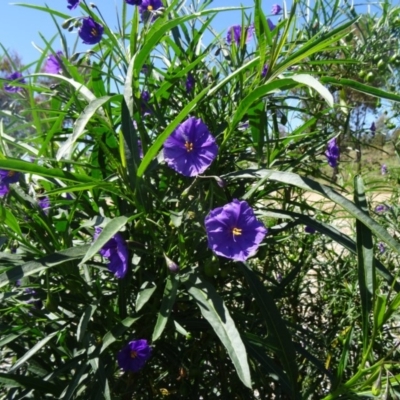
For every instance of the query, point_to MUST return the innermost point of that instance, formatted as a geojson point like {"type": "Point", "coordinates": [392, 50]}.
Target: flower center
{"type": "Point", "coordinates": [236, 231]}
{"type": "Point", "coordinates": [189, 146]}
{"type": "Point", "coordinates": [93, 32]}
{"type": "Point", "coordinates": [133, 354]}
{"type": "Point", "coordinates": [11, 173]}
{"type": "Point", "coordinates": [150, 8]}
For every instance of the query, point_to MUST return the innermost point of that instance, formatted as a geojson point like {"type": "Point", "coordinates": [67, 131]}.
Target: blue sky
{"type": "Point", "coordinates": [21, 26]}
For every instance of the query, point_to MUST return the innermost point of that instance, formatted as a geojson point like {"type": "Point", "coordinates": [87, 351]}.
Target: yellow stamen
{"type": "Point", "coordinates": [11, 173]}
{"type": "Point", "coordinates": [133, 354]}
{"type": "Point", "coordinates": [189, 146]}
{"type": "Point", "coordinates": [236, 231]}
{"type": "Point", "coordinates": [150, 8]}
{"type": "Point", "coordinates": [94, 32]}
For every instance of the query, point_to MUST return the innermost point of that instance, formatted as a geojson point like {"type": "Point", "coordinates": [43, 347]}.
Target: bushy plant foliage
{"type": "Point", "coordinates": [157, 239]}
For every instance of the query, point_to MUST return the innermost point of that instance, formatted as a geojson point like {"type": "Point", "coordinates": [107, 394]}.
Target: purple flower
{"type": "Point", "coordinates": [53, 65]}
{"type": "Point", "coordinates": [190, 149]}
{"type": "Point", "coordinates": [276, 9]}
{"type": "Point", "coordinates": [116, 251]}
{"type": "Point", "coordinates": [235, 33]}
{"type": "Point", "coordinates": [148, 6]}
{"type": "Point", "coordinates": [264, 70]}
{"type": "Point", "coordinates": [90, 31]}
{"type": "Point", "coordinates": [15, 76]}
{"type": "Point", "coordinates": [381, 247]}
{"type": "Point", "coordinates": [381, 208]}
{"type": "Point", "coordinates": [37, 303]}
{"type": "Point", "coordinates": [372, 128]}
{"type": "Point", "coordinates": [171, 265]}
{"type": "Point", "coordinates": [44, 204]}
{"type": "Point", "coordinates": [271, 25]}
{"type": "Point", "coordinates": [140, 148]}
{"type": "Point", "coordinates": [190, 82]}
{"type": "Point", "coordinates": [7, 177]}
{"type": "Point", "coordinates": [233, 231]}
{"type": "Point", "coordinates": [332, 153]}
{"type": "Point", "coordinates": [134, 2]}
{"type": "Point", "coordinates": [384, 169]}
{"type": "Point", "coordinates": [309, 229]}
{"type": "Point", "coordinates": [134, 355]}
{"type": "Point", "coordinates": [73, 4]}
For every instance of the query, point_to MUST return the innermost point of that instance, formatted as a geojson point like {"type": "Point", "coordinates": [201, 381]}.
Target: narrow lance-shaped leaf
{"type": "Point", "coordinates": [213, 309]}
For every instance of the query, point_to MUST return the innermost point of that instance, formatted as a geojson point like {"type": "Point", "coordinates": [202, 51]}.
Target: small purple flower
{"type": "Point", "coordinates": [134, 355]}
{"type": "Point", "coordinates": [44, 204]}
{"type": "Point", "coordinates": [116, 251]}
{"type": "Point", "coordinates": [384, 169]}
{"type": "Point", "coordinates": [309, 229]}
{"type": "Point", "coordinates": [381, 208]}
{"type": "Point", "coordinates": [235, 33]}
{"type": "Point", "coordinates": [73, 4]}
{"type": "Point", "coordinates": [276, 9]}
{"type": "Point", "coordinates": [53, 63]}
{"type": "Point", "coordinates": [190, 149]}
{"type": "Point", "coordinates": [233, 231]}
{"type": "Point", "coordinates": [372, 128]}
{"type": "Point", "coordinates": [140, 147]}
{"type": "Point", "coordinates": [7, 177]}
{"type": "Point", "coordinates": [148, 7]}
{"type": "Point", "coordinates": [332, 153]}
{"type": "Point", "coordinates": [90, 31]}
{"type": "Point", "coordinates": [15, 76]}
{"type": "Point", "coordinates": [134, 2]}
{"type": "Point", "coordinates": [381, 247]}
{"type": "Point", "coordinates": [190, 82]}
{"type": "Point", "coordinates": [37, 303]}
{"type": "Point", "coordinates": [264, 71]}
{"type": "Point", "coordinates": [271, 25]}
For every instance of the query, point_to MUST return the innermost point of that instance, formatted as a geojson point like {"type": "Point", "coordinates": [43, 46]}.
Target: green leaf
{"type": "Point", "coordinates": [29, 382]}
{"type": "Point", "coordinates": [66, 149]}
{"type": "Point", "coordinates": [144, 294]}
{"type": "Point", "coordinates": [83, 322]}
{"type": "Point", "coordinates": [34, 267]}
{"type": "Point", "coordinates": [171, 288]}
{"type": "Point", "coordinates": [278, 334]}
{"type": "Point", "coordinates": [213, 309]}
{"type": "Point", "coordinates": [365, 259]}
{"type": "Point", "coordinates": [112, 227]}
{"type": "Point", "coordinates": [9, 219]}
{"type": "Point", "coordinates": [325, 191]}
{"type": "Point", "coordinates": [316, 85]}
{"type": "Point", "coordinates": [30, 353]}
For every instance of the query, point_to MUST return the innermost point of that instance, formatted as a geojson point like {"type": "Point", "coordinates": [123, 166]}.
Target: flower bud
{"type": "Point", "coordinates": [171, 265]}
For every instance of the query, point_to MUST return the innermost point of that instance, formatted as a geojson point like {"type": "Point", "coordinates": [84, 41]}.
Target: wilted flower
{"type": "Point", "coordinates": [90, 31]}
{"type": "Point", "coordinates": [7, 177]}
{"type": "Point", "coordinates": [44, 204]}
{"type": "Point", "coordinates": [235, 33]}
{"type": "Point", "coordinates": [148, 6]}
{"type": "Point", "coordinates": [53, 65]}
{"type": "Point", "coordinates": [73, 4]}
{"type": "Point", "coordinates": [381, 247]}
{"type": "Point", "coordinates": [384, 169]}
{"type": "Point", "coordinates": [381, 208]}
{"type": "Point", "coordinates": [116, 251]}
{"type": "Point", "coordinates": [233, 231]}
{"type": "Point", "coordinates": [271, 25]}
{"type": "Point", "coordinates": [145, 96]}
{"type": "Point", "coordinates": [332, 153]}
{"type": "Point", "coordinates": [134, 2]}
{"type": "Point", "coordinates": [276, 9]}
{"type": "Point", "coordinates": [15, 76]}
{"type": "Point", "coordinates": [372, 128]}
{"type": "Point", "coordinates": [37, 303]}
{"type": "Point", "coordinates": [190, 149]}
{"type": "Point", "coordinates": [265, 70]}
{"type": "Point", "coordinates": [309, 229]}
{"type": "Point", "coordinates": [134, 355]}
{"type": "Point", "coordinates": [190, 82]}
